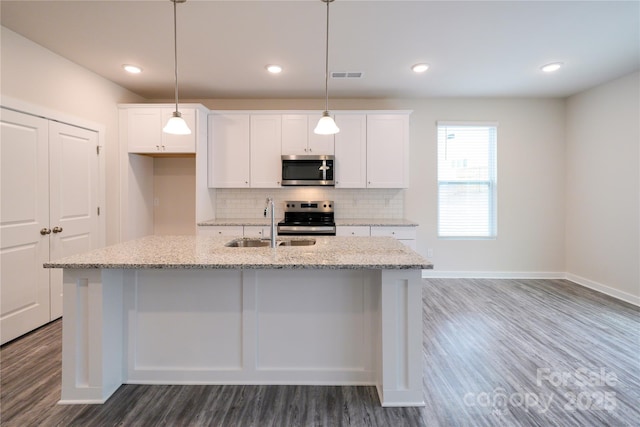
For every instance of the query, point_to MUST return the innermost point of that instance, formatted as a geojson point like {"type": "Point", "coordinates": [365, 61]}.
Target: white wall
{"type": "Point", "coordinates": [530, 178]}
{"type": "Point", "coordinates": [530, 185]}
{"type": "Point", "coordinates": [603, 187]}
{"type": "Point", "coordinates": [34, 75]}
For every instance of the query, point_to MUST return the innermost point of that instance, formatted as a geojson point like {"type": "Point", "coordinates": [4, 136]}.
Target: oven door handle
{"type": "Point", "coordinates": [305, 229]}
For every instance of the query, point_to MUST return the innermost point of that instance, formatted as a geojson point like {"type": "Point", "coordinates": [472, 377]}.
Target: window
{"type": "Point", "coordinates": [467, 180]}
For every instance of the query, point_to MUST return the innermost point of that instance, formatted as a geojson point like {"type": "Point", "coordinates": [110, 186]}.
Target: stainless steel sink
{"type": "Point", "coordinates": [262, 243]}
{"type": "Point", "coordinates": [298, 242]}
{"type": "Point", "coordinates": [248, 243]}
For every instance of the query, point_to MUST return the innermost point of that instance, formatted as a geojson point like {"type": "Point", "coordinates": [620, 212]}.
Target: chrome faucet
{"type": "Point", "coordinates": [270, 206]}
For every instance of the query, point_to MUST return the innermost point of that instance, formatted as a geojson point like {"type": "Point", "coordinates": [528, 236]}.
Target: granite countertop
{"type": "Point", "coordinates": [237, 221]}
{"type": "Point", "coordinates": [209, 252]}
{"type": "Point", "coordinates": [376, 222]}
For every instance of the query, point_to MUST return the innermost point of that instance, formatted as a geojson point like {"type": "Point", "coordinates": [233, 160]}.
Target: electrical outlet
{"type": "Point", "coordinates": [430, 253]}
{"type": "Point", "coordinates": [156, 201]}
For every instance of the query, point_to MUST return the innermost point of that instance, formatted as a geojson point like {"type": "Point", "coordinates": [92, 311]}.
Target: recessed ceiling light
{"type": "Point", "coordinates": [420, 68]}
{"type": "Point", "coordinates": [550, 68]}
{"type": "Point", "coordinates": [132, 69]}
{"type": "Point", "coordinates": [274, 69]}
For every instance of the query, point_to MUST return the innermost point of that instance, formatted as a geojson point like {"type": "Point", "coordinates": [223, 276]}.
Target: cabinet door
{"type": "Point", "coordinates": [220, 230]}
{"type": "Point", "coordinates": [353, 230]}
{"type": "Point", "coordinates": [318, 144]}
{"type": "Point", "coordinates": [145, 136]}
{"type": "Point", "coordinates": [351, 151]}
{"type": "Point", "coordinates": [298, 137]}
{"type": "Point", "coordinates": [179, 143]}
{"type": "Point", "coordinates": [400, 233]}
{"type": "Point", "coordinates": [256, 231]}
{"type": "Point", "coordinates": [294, 134]}
{"type": "Point", "coordinates": [266, 136]}
{"type": "Point", "coordinates": [24, 170]}
{"type": "Point", "coordinates": [228, 152]}
{"type": "Point", "coordinates": [387, 151]}
{"type": "Point", "coordinates": [144, 130]}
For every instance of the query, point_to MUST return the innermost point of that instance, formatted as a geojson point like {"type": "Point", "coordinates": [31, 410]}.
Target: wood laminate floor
{"type": "Point", "coordinates": [496, 353]}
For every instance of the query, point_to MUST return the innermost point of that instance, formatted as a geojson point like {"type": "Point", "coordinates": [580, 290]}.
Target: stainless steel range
{"type": "Point", "coordinates": [304, 218]}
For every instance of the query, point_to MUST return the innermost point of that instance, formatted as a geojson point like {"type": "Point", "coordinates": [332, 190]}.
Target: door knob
{"type": "Point", "coordinates": [57, 229]}
{"type": "Point", "coordinates": [45, 231]}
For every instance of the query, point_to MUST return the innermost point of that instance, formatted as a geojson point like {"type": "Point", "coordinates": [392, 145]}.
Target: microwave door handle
{"type": "Point", "coordinates": [324, 170]}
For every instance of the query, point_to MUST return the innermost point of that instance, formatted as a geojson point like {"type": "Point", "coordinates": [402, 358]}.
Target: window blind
{"type": "Point", "coordinates": [467, 180]}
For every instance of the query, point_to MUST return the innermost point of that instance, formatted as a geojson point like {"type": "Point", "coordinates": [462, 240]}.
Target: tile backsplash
{"type": "Point", "coordinates": [349, 203]}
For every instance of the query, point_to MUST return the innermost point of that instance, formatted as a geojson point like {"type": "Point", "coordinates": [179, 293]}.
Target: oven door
{"type": "Point", "coordinates": [307, 170]}
{"type": "Point", "coordinates": [306, 230]}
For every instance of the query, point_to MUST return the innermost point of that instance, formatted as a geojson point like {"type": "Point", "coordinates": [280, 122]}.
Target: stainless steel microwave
{"type": "Point", "coordinates": [308, 170]}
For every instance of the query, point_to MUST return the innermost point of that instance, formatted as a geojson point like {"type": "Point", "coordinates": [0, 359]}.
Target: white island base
{"type": "Point", "coordinates": [217, 326]}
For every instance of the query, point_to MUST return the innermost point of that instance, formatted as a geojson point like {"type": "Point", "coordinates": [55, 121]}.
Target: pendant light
{"type": "Point", "coordinates": [326, 125]}
{"type": "Point", "coordinates": [176, 124]}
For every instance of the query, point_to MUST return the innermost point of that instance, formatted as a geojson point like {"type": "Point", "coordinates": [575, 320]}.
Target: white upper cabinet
{"type": "Point", "coordinates": [371, 150]}
{"type": "Point", "coordinates": [229, 147]}
{"type": "Point", "coordinates": [351, 151]}
{"type": "Point", "coordinates": [144, 131]}
{"type": "Point", "coordinates": [244, 150]}
{"type": "Point", "coordinates": [266, 135]}
{"type": "Point", "coordinates": [387, 150]}
{"type": "Point", "coordinates": [298, 137]}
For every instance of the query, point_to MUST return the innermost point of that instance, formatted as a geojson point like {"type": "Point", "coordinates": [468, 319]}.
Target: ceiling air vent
{"type": "Point", "coordinates": [346, 74]}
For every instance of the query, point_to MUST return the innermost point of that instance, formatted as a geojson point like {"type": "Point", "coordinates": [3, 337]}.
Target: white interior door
{"type": "Point", "coordinates": [24, 212]}
{"type": "Point", "coordinates": [74, 185]}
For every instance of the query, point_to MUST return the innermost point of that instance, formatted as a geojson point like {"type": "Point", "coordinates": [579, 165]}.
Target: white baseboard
{"type": "Point", "coordinates": [607, 290]}
{"type": "Point", "coordinates": [435, 274]}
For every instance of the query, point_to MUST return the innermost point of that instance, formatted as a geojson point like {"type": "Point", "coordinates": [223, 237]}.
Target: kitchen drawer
{"type": "Point", "coordinates": [220, 230]}
{"type": "Point", "coordinates": [353, 230]}
{"type": "Point", "coordinates": [401, 233]}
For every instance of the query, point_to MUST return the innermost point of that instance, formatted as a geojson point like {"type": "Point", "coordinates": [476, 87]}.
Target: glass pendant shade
{"type": "Point", "coordinates": [326, 125]}
{"type": "Point", "coordinates": [176, 125]}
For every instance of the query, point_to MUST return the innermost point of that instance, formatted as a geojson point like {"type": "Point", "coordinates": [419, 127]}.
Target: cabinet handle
{"type": "Point", "coordinates": [158, 147]}
{"type": "Point", "coordinates": [57, 229]}
{"type": "Point", "coordinates": [45, 231]}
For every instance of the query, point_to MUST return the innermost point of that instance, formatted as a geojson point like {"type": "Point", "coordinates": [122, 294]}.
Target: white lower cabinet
{"type": "Point", "coordinates": [220, 230]}
{"type": "Point", "coordinates": [406, 235]}
{"type": "Point", "coordinates": [353, 230]}
{"type": "Point", "coordinates": [257, 231]}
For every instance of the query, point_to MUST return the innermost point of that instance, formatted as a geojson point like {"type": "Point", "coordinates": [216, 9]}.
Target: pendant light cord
{"type": "Point", "coordinates": [175, 48]}
{"type": "Point", "coordinates": [326, 62]}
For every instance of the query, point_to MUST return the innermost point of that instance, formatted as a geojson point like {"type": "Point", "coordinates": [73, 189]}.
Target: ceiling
{"type": "Point", "coordinates": [474, 48]}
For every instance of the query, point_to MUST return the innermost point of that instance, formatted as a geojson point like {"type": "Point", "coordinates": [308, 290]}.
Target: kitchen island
{"type": "Point", "coordinates": [190, 310]}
